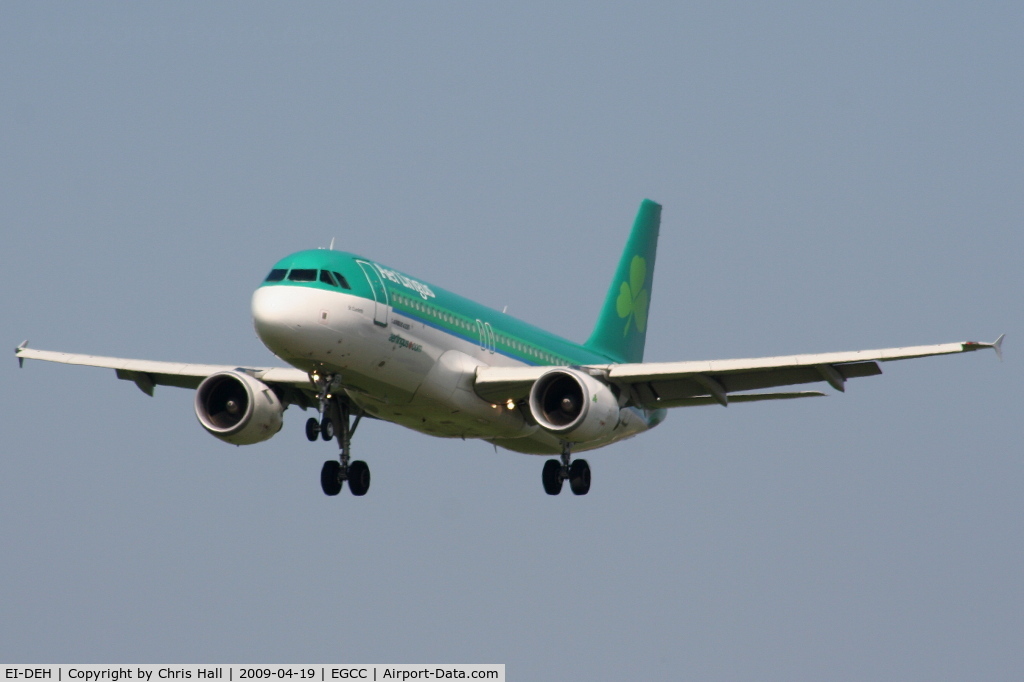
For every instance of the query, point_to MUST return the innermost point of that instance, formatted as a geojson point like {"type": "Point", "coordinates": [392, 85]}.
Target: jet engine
{"type": "Point", "coordinates": [573, 405]}
{"type": "Point", "coordinates": [238, 409]}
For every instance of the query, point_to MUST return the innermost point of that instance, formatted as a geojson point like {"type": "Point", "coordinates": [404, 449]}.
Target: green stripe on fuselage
{"type": "Point", "coordinates": [441, 309]}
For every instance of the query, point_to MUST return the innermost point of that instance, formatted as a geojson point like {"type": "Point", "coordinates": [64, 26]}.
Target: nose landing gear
{"type": "Point", "coordinates": [556, 471]}
{"type": "Point", "coordinates": [319, 428]}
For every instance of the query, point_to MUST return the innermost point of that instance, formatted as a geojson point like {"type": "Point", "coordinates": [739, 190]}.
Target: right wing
{"type": "Point", "coordinates": [294, 384]}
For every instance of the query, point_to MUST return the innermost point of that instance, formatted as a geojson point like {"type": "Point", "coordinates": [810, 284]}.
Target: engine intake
{"type": "Point", "coordinates": [238, 409]}
{"type": "Point", "coordinates": [574, 405]}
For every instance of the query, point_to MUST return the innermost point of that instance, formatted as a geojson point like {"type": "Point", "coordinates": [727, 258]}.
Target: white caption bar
{"type": "Point", "coordinates": [250, 673]}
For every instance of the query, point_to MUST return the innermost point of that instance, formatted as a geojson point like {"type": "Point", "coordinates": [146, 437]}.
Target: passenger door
{"type": "Point", "coordinates": [380, 293]}
{"type": "Point", "coordinates": [486, 334]}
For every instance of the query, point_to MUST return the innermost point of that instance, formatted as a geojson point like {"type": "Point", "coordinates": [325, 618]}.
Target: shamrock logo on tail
{"type": "Point", "coordinates": [633, 298]}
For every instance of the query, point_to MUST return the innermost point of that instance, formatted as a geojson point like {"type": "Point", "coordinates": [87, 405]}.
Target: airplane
{"type": "Point", "coordinates": [364, 340]}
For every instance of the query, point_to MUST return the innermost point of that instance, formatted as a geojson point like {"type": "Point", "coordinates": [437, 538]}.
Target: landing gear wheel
{"type": "Point", "coordinates": [552, 477]}
{"type": "Point", "coordinates": [312, 429]}
{"type": "Point", "coordinates": [358, 477]}
{"type": "Point", "coordinates": [336, 414]}
{"type": "Point", "coordinates": [326, 429]}
{"type": "Point", "coordinates": [330, 477]}
{"type": "Point", "coordinates": [579, 477]}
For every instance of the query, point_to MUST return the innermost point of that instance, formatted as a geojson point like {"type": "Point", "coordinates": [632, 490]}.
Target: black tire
{"type": "Point", "coordinates": [326, 429]}
{"type": "Point", "coordinates": [358, 477]}
{"type": "Point", "coordinates": [312, 429]}
{"type": "Point", "coordinates": [551, 476]}
{"type": "Point", "coordinates": [330, 477]}
{"type": "Point", "coordinates": [579, 477]}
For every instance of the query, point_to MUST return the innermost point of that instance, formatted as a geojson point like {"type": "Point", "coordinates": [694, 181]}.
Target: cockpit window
{"type": "Point", "coordinates": [276, 275]}
{"type": "Point", "coordinates": [302, 275]}
{"type": "Point", "coordinates": [341, 280]}
{"type": "Point", "coordinates": [327, 278]}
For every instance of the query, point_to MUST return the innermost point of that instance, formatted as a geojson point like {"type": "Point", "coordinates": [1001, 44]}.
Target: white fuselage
{"type": "Point", "coordinates": [402, 370]}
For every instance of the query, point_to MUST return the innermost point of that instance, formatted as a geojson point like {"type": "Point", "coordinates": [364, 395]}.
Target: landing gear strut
{"type": "Point", "coordinates": [556, 471]}
{"type": "Point", "coordinates": [337, 422]}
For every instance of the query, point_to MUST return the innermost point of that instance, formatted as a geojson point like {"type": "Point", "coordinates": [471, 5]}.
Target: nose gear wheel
{"type": "Point", "coordinates": [312, 429]}
{"type": "Point", "coordinates": [327, 429]}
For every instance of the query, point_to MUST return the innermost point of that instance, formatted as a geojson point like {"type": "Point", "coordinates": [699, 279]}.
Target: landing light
{"type": "Point", "coordinates": [511, 405]}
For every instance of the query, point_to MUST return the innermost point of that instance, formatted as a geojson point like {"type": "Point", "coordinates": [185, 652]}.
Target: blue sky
{"type": "Point", "coordinates": [833, 178]}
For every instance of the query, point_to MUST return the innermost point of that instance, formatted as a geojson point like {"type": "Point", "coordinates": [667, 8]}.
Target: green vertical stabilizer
{"type": "Point", "coordinates": [621, 330]}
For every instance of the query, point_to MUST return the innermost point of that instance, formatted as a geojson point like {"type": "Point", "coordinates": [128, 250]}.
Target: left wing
{"type": "Point", "coordinates": [676, 384]}
{"type": "Point", "coordinates": [294, 384]}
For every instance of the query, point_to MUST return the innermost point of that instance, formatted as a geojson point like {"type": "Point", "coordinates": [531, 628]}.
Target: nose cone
{"type": "Point", "coordinates": [279, 313]}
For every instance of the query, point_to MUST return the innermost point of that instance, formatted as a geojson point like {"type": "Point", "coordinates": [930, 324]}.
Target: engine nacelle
{"type": "Point", "coordinates": [238, 409]}
{"type": "Point", "coordinates": [573, 405]}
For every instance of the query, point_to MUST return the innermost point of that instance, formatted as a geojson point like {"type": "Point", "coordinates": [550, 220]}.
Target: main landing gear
{"type": "Point", "coordinates": [337, 422]}
{"type": "Point", "coordinates": [556, 471]}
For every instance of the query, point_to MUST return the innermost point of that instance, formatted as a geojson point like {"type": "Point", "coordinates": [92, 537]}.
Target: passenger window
{"type": "Point", "coordinates": [276, 275]}
{"type": "Point", "coordinates": [302, 275]}
{"type": "Point", "coordinates": [327, 278]}
{"type": "Point", "coordinates": [341, 280]}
